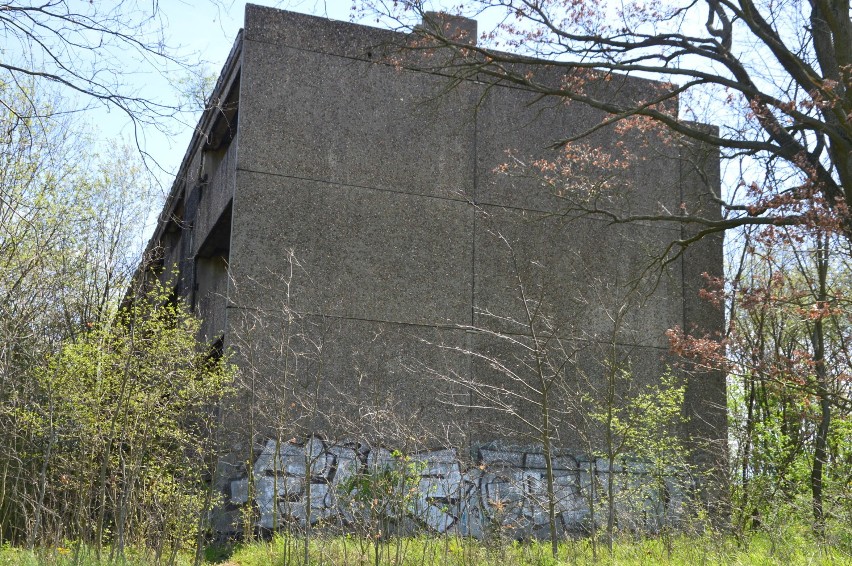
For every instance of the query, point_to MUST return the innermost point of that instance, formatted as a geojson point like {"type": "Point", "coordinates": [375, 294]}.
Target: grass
{"type": "Point", "coordinates": [74, 555]}
{"type": "Point", "coordinates": [782, 548]}
{"type": "Point", "coordinates": [682, 550]}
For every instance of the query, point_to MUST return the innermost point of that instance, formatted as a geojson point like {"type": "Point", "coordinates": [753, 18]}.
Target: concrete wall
{"type": "Point", "coordinates": [405, 240]}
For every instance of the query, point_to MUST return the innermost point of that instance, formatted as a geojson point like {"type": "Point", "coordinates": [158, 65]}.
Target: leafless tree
{"type": "Point", "coordinates": [92, 52]}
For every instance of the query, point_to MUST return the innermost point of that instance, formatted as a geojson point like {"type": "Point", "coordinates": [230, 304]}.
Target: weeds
{"type": "Point", "coordinates": [793, 546]}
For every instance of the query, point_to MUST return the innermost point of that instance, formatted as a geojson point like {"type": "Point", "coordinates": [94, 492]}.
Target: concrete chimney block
{"type": "Point", "coordinates": [454, 28]}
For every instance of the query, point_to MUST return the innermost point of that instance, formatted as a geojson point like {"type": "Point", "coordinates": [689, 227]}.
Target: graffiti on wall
{"type": "Point", "coordinates": [503, 488]}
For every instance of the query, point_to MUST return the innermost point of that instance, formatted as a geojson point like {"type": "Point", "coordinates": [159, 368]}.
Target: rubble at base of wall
{"type": "Point", "coordinates": [503, 490]}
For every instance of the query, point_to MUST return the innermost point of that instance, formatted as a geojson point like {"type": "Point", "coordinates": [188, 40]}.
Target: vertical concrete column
{"type": "Point", "coordinates": [705, 402]}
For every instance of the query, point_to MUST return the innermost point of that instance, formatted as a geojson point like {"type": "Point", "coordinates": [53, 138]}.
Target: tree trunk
{"type": "Point", "coordinates": [818, 341]}
{"type": "Point", "coordinates": [548, 463]}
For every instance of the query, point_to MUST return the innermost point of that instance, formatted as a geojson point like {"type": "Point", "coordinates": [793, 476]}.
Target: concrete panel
{"type": "Point", "coordinates": [173, 246]}
{"type": "Point", "coordinates": [322, 35]}
{"type": "Point", "coordinates": [316, 116]}
{"type": "Point", "coordinates": [340, 38]}
{"type": "Point", "coordinates": [343, 378]}
{"type": "Point", "coordinates": [515, 130]}
{"type": "Point", "coordinates": [577, 371]}
{"type": "Point", "coordinates": [576, 275]}
{"type": "Point", "coordinates": [362, 253]}
{"type": "Point", "coordinates": [563, 77]}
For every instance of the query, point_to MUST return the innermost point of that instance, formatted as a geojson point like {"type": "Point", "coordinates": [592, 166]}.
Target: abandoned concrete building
{"type": "Point", "coordinates": [348, 228]}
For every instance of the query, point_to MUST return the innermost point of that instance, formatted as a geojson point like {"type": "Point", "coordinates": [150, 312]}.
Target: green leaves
{"type": "Point", "coordinates": [121, 430]}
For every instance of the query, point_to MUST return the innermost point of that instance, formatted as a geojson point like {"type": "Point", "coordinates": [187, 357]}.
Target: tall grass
{"type": "Point", "coordinates": [453, 551]}
{"type": "Point", "coordinates": [789, 546]}
{"type": "Point", "coordinates": [82, 555]}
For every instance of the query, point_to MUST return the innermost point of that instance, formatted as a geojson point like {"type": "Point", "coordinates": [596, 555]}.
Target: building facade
{"type": "Point", "coordinates": [370, 238]}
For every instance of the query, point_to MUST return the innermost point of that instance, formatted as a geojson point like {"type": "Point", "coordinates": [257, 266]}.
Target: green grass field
{"type": "Point", "coordinates": [783, 548]}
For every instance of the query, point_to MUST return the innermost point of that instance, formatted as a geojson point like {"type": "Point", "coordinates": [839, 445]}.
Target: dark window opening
{"type": "Point", "coordinates": [216, 351]}
{"type": "Point", "coordinates": [209, 299]}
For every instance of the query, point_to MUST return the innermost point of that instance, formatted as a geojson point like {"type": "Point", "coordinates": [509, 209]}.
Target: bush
{"type": "Point", "coordinates": [118, 445]}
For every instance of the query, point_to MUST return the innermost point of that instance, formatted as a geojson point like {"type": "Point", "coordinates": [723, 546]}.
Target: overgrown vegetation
{"type": "Point", "coordinates": [114, 440]}
{"type": "Point", "coordinates": [789, 387]}
{"type": "Point", "coordinates": [791, 545]}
